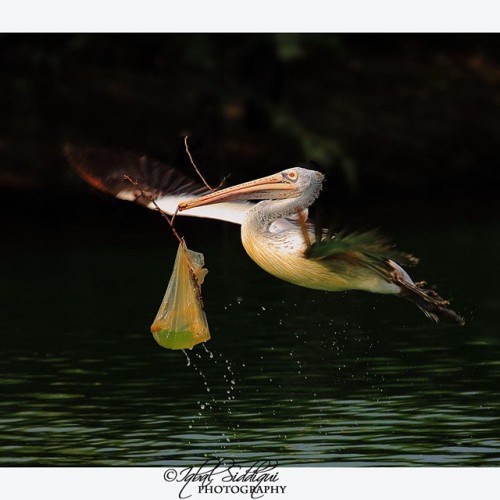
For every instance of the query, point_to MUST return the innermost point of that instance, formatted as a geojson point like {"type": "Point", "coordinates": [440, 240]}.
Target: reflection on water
{"type": "Point", "coordinates": [291, 374]}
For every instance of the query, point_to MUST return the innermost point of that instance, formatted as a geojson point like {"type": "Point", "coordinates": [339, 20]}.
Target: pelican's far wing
{"type": "Point", "coordinates": [105, 170]}
{"type": "Point", "coordinates": [368, 247]}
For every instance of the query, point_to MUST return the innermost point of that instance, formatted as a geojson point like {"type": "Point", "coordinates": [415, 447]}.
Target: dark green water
{"type": "Point", "coordinates": [304, 377]}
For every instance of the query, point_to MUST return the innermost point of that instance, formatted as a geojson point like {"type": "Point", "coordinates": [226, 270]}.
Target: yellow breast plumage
{"type": "Point", "coordinates": [284, 258]}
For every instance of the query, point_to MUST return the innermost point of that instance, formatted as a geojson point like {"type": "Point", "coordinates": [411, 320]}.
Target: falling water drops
{"type": "Point", "coordinates": [210, 353]}
{"type": "Point", "coordinates": [187, 357]}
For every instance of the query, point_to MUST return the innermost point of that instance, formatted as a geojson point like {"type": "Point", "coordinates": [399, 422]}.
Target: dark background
{"type": "Point", "coordinates": [400, 123]}
{"type": "Point", "coordinates": [406, 128]}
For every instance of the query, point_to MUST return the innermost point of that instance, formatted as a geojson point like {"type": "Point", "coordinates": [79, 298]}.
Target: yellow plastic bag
{"type": "Point", "coordinates": [181, 322]}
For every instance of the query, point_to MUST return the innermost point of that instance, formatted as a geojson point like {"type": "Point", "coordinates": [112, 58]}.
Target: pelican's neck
{"type": "Point", "coordinates": [259, 219]}
{"type": "Point", "coordinates": [263, 214]}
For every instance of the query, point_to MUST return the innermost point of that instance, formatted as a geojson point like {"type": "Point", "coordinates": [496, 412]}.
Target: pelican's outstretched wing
{"type": "Point", "coordinates": [369, 246]}
{"type": "Point", "coordinates": [105, 170]}
{"type": "Point", "coordinates": [372, 250]}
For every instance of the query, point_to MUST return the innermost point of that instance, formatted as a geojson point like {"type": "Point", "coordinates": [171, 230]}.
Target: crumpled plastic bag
{"type": "Point", "coordinates": [181, 322]}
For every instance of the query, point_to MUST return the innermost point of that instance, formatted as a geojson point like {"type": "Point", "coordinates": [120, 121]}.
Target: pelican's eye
{"type": "Point", "coordinates": [292, 175]}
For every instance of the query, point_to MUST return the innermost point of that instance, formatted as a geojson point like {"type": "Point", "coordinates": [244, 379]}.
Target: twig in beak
{"type": "Point", "coordinates": [194, 164]}
{"type": "Point", "coordinates": [198, 171]}
{"type": "Point", "coordinates": [153, 201]}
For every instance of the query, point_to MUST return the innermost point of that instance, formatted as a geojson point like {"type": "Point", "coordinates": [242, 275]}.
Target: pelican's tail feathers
{"type": "Point", "coordinates": [428, 301]}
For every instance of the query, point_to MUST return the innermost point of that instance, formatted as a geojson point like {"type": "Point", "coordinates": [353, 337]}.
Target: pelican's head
{"type": "Point", "coordinates": [289, 183]}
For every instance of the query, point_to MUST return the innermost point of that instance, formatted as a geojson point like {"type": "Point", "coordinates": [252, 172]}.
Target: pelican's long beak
{"type": "Point", "coordinates": [270, 187]}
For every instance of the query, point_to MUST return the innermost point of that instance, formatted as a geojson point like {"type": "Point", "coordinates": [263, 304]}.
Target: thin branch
{"type": "Point", "coordinates": [194, 164]}
{"type": "Point", "coordinates": [174, 215]}
{"type": "Point", "coordinates": [153, 201]}
{"type": "Point", "coordinates": [222, 182]}
{"type": "Point", "coordinates": [198, 171]}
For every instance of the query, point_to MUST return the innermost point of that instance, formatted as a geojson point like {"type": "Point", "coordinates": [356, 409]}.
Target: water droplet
{"type": "Point", "coordinates": [207, 351]}
{"type": "Point", "coordinates": [187, 357]}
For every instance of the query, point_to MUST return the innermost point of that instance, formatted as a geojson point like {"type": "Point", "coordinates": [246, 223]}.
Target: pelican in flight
{"type": "Point", "coordinates": [275, 230]}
